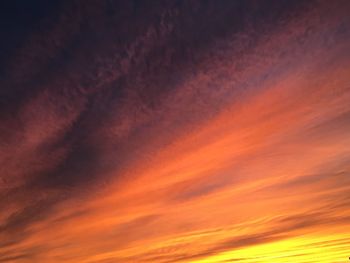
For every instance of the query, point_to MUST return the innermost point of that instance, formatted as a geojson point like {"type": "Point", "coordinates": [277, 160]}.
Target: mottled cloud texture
{"type": "Point", "coordinates": [175, 131]}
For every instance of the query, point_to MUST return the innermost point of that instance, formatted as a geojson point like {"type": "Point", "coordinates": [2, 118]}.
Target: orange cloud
{"type": "Point", "coordinates": [245, 160]}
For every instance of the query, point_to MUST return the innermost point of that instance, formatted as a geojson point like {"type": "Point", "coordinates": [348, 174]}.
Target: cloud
{"type": "Point", "coordinates": [176, 131]}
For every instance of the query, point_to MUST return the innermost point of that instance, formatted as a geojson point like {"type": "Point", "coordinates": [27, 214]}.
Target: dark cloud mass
{"type": "Point", "coordinates": [127, 115]}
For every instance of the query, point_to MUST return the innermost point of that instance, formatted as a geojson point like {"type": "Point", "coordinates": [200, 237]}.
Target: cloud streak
{"type": "Point", "coordinates": [181, 131]}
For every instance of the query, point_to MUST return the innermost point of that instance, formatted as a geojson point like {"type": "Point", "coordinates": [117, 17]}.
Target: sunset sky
{"type": "Point", "coordinates": [175, 131]}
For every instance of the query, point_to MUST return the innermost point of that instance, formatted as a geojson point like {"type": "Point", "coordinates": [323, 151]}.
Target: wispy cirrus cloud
{"type": "Point", "coordinates": [176, 132]}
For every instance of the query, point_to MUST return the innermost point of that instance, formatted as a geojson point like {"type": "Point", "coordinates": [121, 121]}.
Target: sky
{"type": "Point", "coordinates": [175, 131]}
